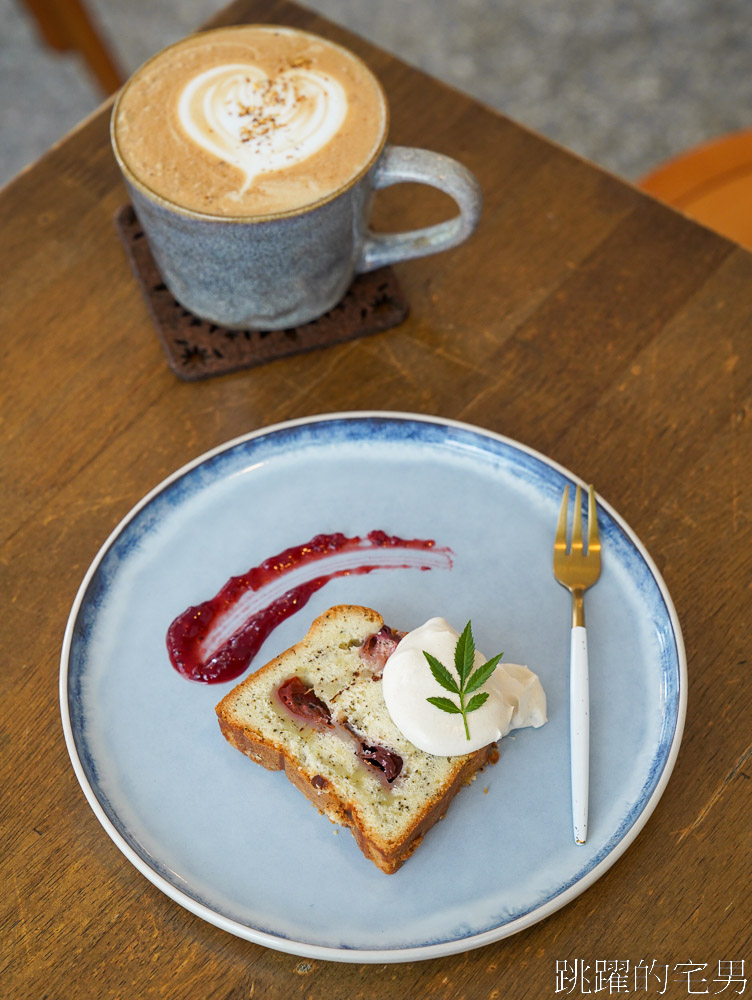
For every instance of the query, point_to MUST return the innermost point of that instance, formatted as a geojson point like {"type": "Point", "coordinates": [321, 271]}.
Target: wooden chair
{"type": "Point", "coordinates": [67, 26]}
{"type": "Point", "coordinates": [712, 184]}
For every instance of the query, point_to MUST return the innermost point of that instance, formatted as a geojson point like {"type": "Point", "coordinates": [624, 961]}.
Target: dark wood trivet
{"type": "Point", "coordinates": [196, 349]}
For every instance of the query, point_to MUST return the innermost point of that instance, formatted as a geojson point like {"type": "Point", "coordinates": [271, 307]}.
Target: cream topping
{"type": "Point", "coordinates": [257, 123]}
{"type": "Point", "coordinates": [516, 697]}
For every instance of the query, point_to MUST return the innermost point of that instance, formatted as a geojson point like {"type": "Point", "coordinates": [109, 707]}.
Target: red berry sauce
{"type": "Point", "coordinates": [196, 643]}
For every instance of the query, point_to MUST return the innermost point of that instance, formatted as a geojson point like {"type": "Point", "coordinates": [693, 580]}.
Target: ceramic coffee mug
{"type": "Point", "coordinates": [251, 156]}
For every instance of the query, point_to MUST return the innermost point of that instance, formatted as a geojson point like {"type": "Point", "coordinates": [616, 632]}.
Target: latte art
{"type": "Point", "coordinates": [260, 124]}
{"type": "Point", "coordinates": [249, 121]}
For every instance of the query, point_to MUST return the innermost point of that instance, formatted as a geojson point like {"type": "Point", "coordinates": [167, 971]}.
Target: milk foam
{"type": "Point", "coordinates": [260, 124]}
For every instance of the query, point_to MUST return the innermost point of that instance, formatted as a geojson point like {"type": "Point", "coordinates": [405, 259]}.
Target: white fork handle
{"type": "Point", "coordinates": [579, 730]}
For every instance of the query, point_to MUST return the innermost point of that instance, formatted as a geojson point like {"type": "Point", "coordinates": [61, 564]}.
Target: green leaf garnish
{"type": "Point", "coordinates": [445, 705]}
{"type": "Point", "coordinates": [476, 701]}
{"type": "Point", "coordinates": [481, 675]}
{"type": "Point", "coordinates": [469, 680]}
{"type": "Point", "coordinates": [464, 654]}
{"type": "Point", "coordinates": [441, 674]}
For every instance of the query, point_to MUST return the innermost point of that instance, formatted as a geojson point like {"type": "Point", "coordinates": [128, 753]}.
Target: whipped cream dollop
{"type": "Point", "coordinates": [259, 123]}
{"type": "Point", "coordinates": [515, 696]}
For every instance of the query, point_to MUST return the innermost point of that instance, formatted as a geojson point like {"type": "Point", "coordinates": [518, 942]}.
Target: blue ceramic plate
{"type": "Point", "coordinates": [240, 846]}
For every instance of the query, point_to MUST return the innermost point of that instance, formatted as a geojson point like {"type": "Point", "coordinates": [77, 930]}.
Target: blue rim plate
{"type": "Point", "coordinates": [238, 845]}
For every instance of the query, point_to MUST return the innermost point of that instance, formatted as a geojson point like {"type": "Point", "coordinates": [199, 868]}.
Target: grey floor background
{"type": "Point", "coordinates": [625, 83]}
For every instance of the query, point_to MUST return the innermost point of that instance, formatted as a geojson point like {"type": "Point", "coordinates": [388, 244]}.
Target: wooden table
{"type": "Point", "coordinates": [585, 320]}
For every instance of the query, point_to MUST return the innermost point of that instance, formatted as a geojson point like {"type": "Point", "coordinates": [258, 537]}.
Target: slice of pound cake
{"type": "Point", "coordinates": [317, 712]}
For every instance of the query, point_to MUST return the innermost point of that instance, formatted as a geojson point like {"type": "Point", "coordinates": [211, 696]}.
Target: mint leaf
{"type": "Point", "coordinates": [441, 674]}
{"type": "Point", "coordinates": [469, 680]}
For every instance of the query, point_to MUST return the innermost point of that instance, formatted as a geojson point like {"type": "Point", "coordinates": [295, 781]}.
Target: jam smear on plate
{"type": "Point", "coordinates": [215, 641]}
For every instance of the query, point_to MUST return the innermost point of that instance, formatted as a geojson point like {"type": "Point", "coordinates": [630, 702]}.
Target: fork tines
{"type": "Point", "coordinates": [593, 540]}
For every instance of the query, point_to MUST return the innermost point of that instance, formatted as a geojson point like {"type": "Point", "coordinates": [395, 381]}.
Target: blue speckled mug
{"type": "Point", "coordinates": [283, 269]}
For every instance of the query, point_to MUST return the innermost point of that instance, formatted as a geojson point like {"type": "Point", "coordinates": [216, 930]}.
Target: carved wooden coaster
{"type": "Point", "coordinates": [196, 349]}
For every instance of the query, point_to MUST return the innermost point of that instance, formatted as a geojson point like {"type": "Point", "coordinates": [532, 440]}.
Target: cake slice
{"type": "Point", "coordinates": [317, 712]}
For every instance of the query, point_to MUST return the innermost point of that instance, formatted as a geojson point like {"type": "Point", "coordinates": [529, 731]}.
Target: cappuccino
{"type": "Point", "coordinates": [250, 122]}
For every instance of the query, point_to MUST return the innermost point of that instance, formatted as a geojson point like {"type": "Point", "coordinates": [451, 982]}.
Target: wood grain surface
{"type": "Point", "coordinates": [583, 319]}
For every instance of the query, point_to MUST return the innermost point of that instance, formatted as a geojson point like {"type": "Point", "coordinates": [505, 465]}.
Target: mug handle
{"type": "Point", "coordinates": [404, 163]}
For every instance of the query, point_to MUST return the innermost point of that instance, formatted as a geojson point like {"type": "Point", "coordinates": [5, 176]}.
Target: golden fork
{"type": "Point", "coordinates": [577, 570]}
